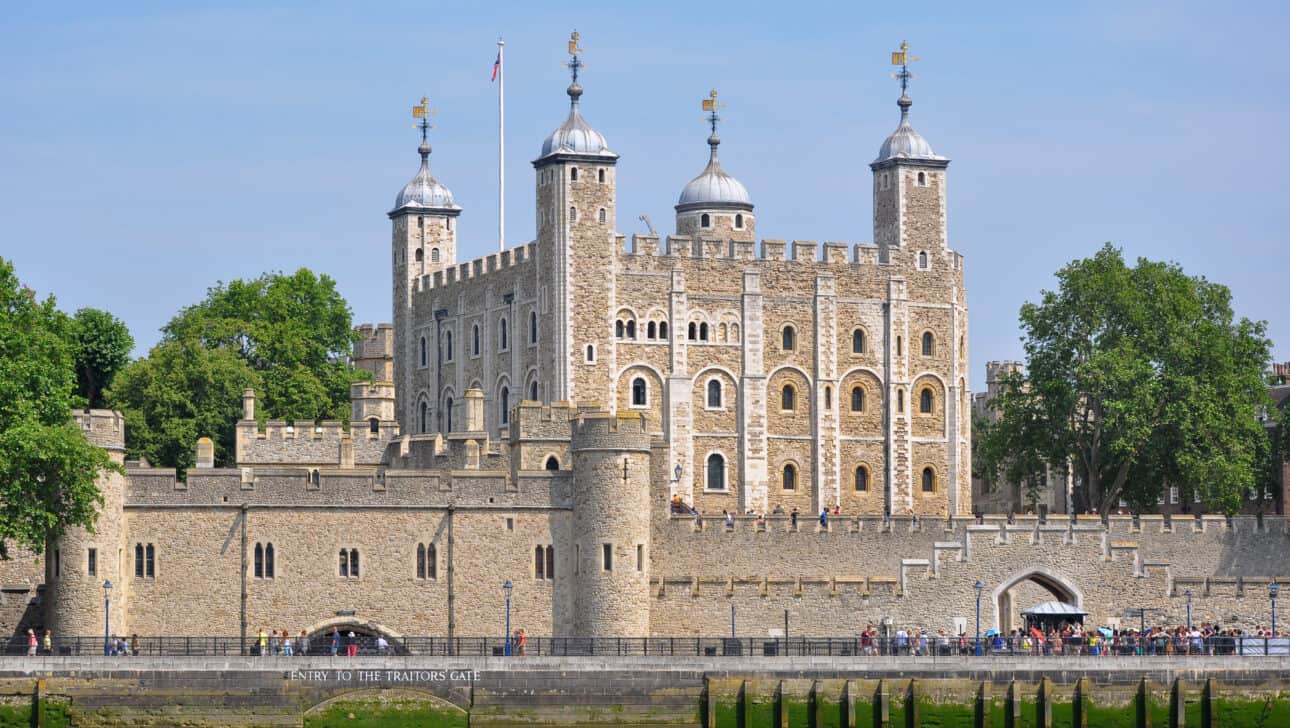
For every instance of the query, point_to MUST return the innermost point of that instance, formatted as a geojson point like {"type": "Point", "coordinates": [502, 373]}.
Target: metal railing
{"type": "Point", "coordinates": [890, 647]}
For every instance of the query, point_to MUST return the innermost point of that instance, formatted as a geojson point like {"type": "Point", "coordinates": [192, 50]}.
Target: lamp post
{"type": "Point", "coordinates": [732, 621]}
{"type": "Point", "coordinates": [1187, 593]}
{"type": "Point", "coordinates": [978, 586]}
{"type": "Point", "coordinates": [1272, 595]}
{"type": "Point", "coordinates": [107, 618]}
{"type": "Point", "coordinates": [507, 587]}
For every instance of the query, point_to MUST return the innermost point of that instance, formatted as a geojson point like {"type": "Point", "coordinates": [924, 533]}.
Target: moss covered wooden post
{"type": "Point", "coordinates": [911, 705]}
{"type": "Point", "coordinates": [981, 707]}
{"type": "Point", "coordinates": [1177, 706]}
{"type": "Point", "coordinates": [1044, 704]}
{"type": "Point", "coordinates": [1142, 705]}
{"type": "Point", "coordinates": [1080, 703]}
{"type": "Point", "coordinates": [881, 711]}
{"type": "Point", "coordinates": [849, 704]}
{"type": "Point", "coordinates": [1208, 705]}
{"type": "Point", "coordinates": [1012, 707]}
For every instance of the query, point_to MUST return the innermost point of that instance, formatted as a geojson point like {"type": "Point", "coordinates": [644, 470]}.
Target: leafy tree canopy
{"type": "Point", "coordinates": [1138, 378]}
{"type": "Point", "coordinates": [289, 337]}
{"type": "Point", "coordinates": [101, 344]}
{"type": "Point", "coordinates": [47, 467]}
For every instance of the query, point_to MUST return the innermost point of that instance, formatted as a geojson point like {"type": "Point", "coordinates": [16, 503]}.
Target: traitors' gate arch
{"type": "Point", "coordinates": [1062, 589]}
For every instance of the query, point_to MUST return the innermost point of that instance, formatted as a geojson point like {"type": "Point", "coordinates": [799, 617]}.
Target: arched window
{"type": "Point", "coordinates": [925, 401]}
{"type": "Point", "coordinates": [591, 354]}
{"type": "Point", "coordinates": [929, 343]}
{"type": "Point", "coordinates": [714, 393]}
{"type": "Point", "coordinates": [550, 562]}
{"type": "Point", "coordinates": [259, 561]}
{"type": "Point", "coordinates": [922, 179]}
{"type": "Point", "coordinates": [539, 562]}
{"type": "Point", "coordinates": [790, 477]}
{"type": "Point", "coordinates": [900, 400]}
{"type": "Point", "coordinates": [432, 562]}
{"type": "Point", "coordinates": [716, 472]}
{"type": "Point", "coordinates": [573, 174]}
{"type": "Point", "coordinates": [705, 220]}
{"type": "Point", "coordinates": [138, 560]}
{"type": "Point", "coordinates": [693, 331]}
{"type": "Point", "coordinates": [723, 333]}
{"type": "Point", "coordinates": [314, 477]}
{"type": "Point", "coordinates": [734, 333]}
{"type": "Point", "coordinates": [602, 216]}
{"type": "Point", "coordinates": [503, 404]}
{"type": "Point", "coordinates": [447, 345]}
{"type": "Point", "coordinates": [268, 561]}
{"type": "Point", "coordinates": [900, 349]}
{"type": "Point", "coordinates": [419, 255]}
{"type": "Point", "coordinates": [929, 480]}
{"type": "Point", "coordinates": [631, 329]}
{"type": "Point", "coordinates": [787, 397]}
{"type": "Point", "coordinates": [474, 340]}
{"type": "Point", "coordinates": [150, 561]}
{"type": "Point", "coordinates": [600, 175]}
{"type": "Point", "coordinates": [532, 327]}
{"type": "Point", "coordinates": [552, 463]}
{"type": "Point", "coordinates": [421, 561]}
{"type": "Point", "coordinates": [502, 335]}
{"type": "Point", "coordinates": [862, 478]}
{"type": "Point", "coordinates": [857, 399]}
{"type": "Point", "coordinates": [789, 338]}
{"type": "Point", "coordinates": [703, 331]}
{"type": "Point", "coordinates": [447, 413]}
{"type": "Point", "coordinates": [620, 328]}
{"type": "Point", "coordinates": [662, 329]}
{"type": "Point", "coordinates": [638, 392]}
{"type": "Point", "coordinates": [922, 260]}
{"type": "Point", "coordinates": [374, 426]}
{"type": "Point", "coordinates": [533, 394]}
{"type": "Point", "coordinates": [434, 252]}
{"type": "Point", "coordinates": [651, 330]}
{"type": "Point", "coordinates": [573, 214]}
{"type": "Point", "coordinates": [425, 418]}
{"type": "Point", "coordinates": [739, 221]}
{"type": "Point", "coordinates": [425, 358]}
{"type": "Point", "coordinates": [857, 341]}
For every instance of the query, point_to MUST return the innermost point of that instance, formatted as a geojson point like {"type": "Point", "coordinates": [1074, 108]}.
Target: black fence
{"type": "Point", "coordinates": [891, 647]}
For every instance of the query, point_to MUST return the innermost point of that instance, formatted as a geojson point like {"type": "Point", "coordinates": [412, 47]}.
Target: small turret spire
{"type": "Point", "coordinates": [574, 63]}
{"type": "Point", "coordinates": [710, 105]}
{"type": "Point", "coordinates": [423, 112]}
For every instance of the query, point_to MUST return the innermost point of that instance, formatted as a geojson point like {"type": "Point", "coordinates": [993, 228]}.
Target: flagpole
{"type": "Point", "coordinates": [501, 147]}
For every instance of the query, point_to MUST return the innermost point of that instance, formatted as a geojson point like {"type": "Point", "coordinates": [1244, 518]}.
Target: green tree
{"type": "Point", "coordinates": [1137, 378]}
{"type": "Point", "coordinates": [287, 337]}
{"type": "Point", "coordinates": [47, 467]}
{"type": "Point", "coordinates": [101, 344]}
{"type": "Point", "coordinates": [178, 393]}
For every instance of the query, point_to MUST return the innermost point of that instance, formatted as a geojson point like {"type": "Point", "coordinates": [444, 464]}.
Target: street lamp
{"type": "Point", "coordinates": [978, 586]}
{"type": "Point", "coordinates": [1187, 593]}
{"type": "Point", "coordinates": [1272, 594]}
{"type": "Point", "coordinates": [107, 618]}
{"type": "Point", "coordinates": [507, 587]}
{"type": "Point", "coordinates": [676, 472]}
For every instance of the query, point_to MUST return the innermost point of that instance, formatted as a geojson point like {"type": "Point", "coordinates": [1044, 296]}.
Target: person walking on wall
{"type": "Point", "coordinates": [302, 644]}
{"type": "Point", "coordinates": [286, 643]}
{"type": "Point", "coordinates": [521, 643]}
{"type": "Point", "coordinates": [793, 518]}
{"type": "Point", "coordinates": [351, 644]}
{"type": "Point", "coordinates": [382, 645]}
{"type": "Point", "coordinates": [48, 642]}
{"type": "Point", "coordinates": [262, 641]}
{"type": "Point", "coordinates": [335, 641]}
{"type": "Point", "coordinates": [134, 644]}
{"type": "Point", "coordinates": [31, 642]}
{"type": "Point", "coordinates": [824, 517]}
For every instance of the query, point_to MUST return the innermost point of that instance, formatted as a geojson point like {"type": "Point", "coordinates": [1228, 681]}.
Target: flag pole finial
{"type": "Point", "coordinates": [711, 105]}
{"type": "Point", "coordinates": [423, 112]}
{"type": "Point", "coordinates": [574, 64]}
{"type": "Point", "coordinates": [903, 58]}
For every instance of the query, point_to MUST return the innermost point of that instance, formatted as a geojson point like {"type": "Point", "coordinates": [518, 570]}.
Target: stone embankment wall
{"type": "Point", "coordinates": [720, 692]}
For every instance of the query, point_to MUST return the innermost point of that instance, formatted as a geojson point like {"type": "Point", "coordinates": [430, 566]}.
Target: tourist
{"type": "Point", "coordinates": [262, 642]}
{"type": "Point", "coordinates": [286, 643]}
{"type": "Point", "coordinates": [134, 644]}
{"type": "Point", "coordinates": [522, 643]}
{"type": "Point", "coordinates": [381, 645]}
{"type": "Point", "coordinates": [793, 518]}
{"type": "Point", "coordinates": [31, 642]}
{"type": "Point", "coordinates": [837, 509]}
{"type": "Point", "coordinates": [351, 644]}
{"type": "Point", "coordinates": [302, 644]}
{"type": "Point", "coordinates": [778, 510]}
{"type": "Point", "coordinates": [48, 642]}
{"type": "Point", "coordinates": [335, 641]}
{"type": "Point", "coordinates": [730, 520]}
{"type": "Point", "coordinates": [824, 517]}
{"type": "Point", "coordinates": [275, 643]}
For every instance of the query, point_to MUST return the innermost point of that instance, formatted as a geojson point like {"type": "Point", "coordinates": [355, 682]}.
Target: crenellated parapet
{"type": "Point", "coordinates": [715, 248]}
{"type": "Point", "coordinates": [478, 267]}
{"type": "Point", "coordinates": [105, 428]}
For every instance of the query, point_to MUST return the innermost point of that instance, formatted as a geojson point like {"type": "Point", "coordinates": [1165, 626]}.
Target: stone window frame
{"type": "Point", "coordinates": [346, 569]}
{"type": "Point", "coordinates": [589, 355]}
{"type": "Point", "coordinates": [739, 221]}
{"type": "Point", "coordinates": [926, 395]}
{"type": "Point", "coordinates": [922, 479]}
{"type": "Point", "coordinates": [600, 175]}
{"type": "Point", "coordinates": [922, 179]}
{"type": "Point", "coordinates": [851, 399]}
{"type": "Point", "coordinates": [705, 221]}
{"type": "Point", "coordinates": [785, 467]}
{"type": "Point", "coordinates": [447, 345]}
{"type": "Point", "coordinates": [145, 561]}
{"type": "Point", "coordinates": [607, 557]}
{"type": "Point", "coordinates": [543, 568]}
{"type": "Point", "coordinates": [573, 215]}
{"type": "Point", "coordinates": [425, 353]}
{"type": "Point", "coordinates": [791, 388]}
{"type": "Point", "coordinates": [548, 459]}
{"type": "Point", "coordinates": [427, 566]}
{"type": "Point", "coordinates": [573, 174]}
{"type": "Point", "coordinates": [927, 343]}
{"type": "Point", "coordinates": [923, 261]}
{"type": "Point", "coordinates": [790, 329]}
{"type": "Point", "coordinates": [264, 561]}
{"type": "Point", "coordinates": [476, 346]}
{"type": "Point", "coordinates": [434, 252]}
{"type": "Point", "coordinates": [864, 341]}
{"type": "Point", "coordinates": [91, 561]}
{"type": "Point", "coordinates": [868, 477]}
{"type": "Point", "coordinates": [644, 392]}
{"type": "Point", "coordinates": [602, 216]}
{"type": "Point", "coordinates": [503, 402]}
{"type": "Point", "coordinates": [725, 472]}
{"type": "Point", "coordinates": [707, 394]}
{"type": "Point", "coordinates": [503, 334]}
{"type": "Point", "coordinates": [533, 328]}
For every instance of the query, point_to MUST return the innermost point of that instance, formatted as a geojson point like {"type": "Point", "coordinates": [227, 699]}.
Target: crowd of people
{"type": "Point", "coordinates": [1070, 638]}
{"type": "Point", "coordinates": [280, 644]}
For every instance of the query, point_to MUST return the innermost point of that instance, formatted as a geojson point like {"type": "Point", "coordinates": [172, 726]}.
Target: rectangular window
{"type": "Point", "coordinates": [608, 553]}
{"type": "Point", "coordinates": [640, 557]}
{"type": "Point", "coordinates": [150, 564]}
{"type": "Point", "coordinates": [510, 524]}
{"type": "Point", "coordinates": [1173, 494]}
{"type": "Point", "coordinates": [550, 562]}
{"type": "Point", "coordinates": [58, 564]}
{"type": "Point", "coordinates": [92, 566]}
{"type": "Point", "coordinates": [539, 562]}
{"type": "Point", "coordinates": [138, 560]}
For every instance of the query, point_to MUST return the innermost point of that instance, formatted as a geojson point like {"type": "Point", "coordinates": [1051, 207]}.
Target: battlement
{"type": "Point", "coordinates": [798, 251]}
{"type": "Point", "coordinates": [604, 430]}
{"type": "Point", "coordinates": [103, 427]}
{"type": "Point", "coordinates": [478, 267]}
{"type": "Point", "coordinates": [996, 370]}
{"type": "Point", "coordinates": [534, 420]}
{"type": "Point", "coordinates": [376, 342]}
{"type": "Point", "coordinates": [327, 442]}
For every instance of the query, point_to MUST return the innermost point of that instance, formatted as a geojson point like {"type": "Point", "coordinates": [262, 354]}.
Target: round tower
{"type": "Point", "coordinates": [611, 525]}
{"type": "Point", "coordinates": [78, 564]}
{"type": "Point", "coordinates": [715, 204]}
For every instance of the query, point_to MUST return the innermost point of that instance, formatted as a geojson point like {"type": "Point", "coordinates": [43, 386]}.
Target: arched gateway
{"type": "Point", "coordinates": [1017, 590]}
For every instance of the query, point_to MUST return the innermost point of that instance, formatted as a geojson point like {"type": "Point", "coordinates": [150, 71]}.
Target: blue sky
{"type": "Point", "coordinates": [150, 149]}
